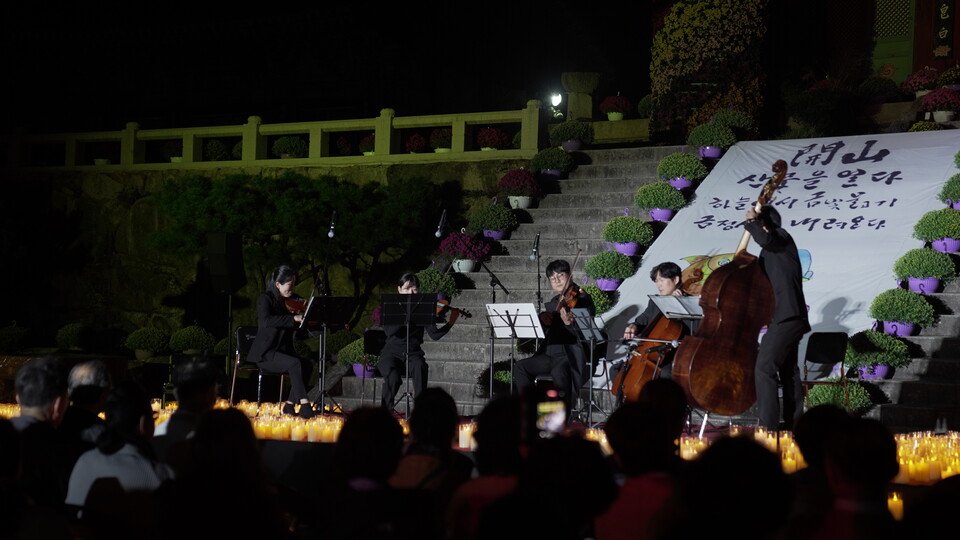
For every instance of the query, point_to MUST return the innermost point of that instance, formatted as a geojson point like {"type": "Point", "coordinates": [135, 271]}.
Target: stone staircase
{"type": "Point", "coordinates": [571, 216]}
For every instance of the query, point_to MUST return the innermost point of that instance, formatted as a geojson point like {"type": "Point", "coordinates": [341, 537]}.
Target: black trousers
{"type": "Point", "coordinates": [392, 369]}
{"type": "Point", "coordinates": [298, 369]}
{"type": "Point", "coordinates": [552, 361]}
{"type": "Point", "coordinates": [777, 360]}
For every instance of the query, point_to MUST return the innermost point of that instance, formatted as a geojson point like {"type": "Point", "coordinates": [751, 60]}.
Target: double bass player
{"type": "Point", "coordinates": [777, 355]}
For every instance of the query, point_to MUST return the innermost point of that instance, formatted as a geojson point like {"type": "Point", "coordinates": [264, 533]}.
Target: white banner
{"type": "Point", "coordinates": [850, 204]}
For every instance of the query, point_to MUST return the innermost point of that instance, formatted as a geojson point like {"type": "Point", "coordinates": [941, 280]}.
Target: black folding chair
{"type": "Point", "coordinates": [244, 339]}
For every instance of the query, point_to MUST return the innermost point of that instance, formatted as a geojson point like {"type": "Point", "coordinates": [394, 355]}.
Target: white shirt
{"type": "Point", "coordinates": [132, 470]}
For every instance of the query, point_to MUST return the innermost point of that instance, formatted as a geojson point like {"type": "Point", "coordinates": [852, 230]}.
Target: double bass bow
{"type": "Point", "coordinates": [715, 366]}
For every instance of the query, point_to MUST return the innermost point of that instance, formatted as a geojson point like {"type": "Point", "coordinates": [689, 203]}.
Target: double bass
{"type": "Point", "coordinates": [715, 365]}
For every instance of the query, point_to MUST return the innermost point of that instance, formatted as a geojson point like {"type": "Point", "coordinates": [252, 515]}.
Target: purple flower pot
{"type": "Point", "coordinates": [571, 145]}
{"type": "Point", "coordinates": [552, 173]}
{"type": "Point", "coordinates": [710, 152]}
{"type": "Point", "coordinates": [495, 235]}
{"type": "Point", "coordinates": [923, 285]}
{"type": "Point", "coordinates": [946, 245]}
{"type": "Point", "coordinates": [899, 328]}
{"type": "Point", "coordinates": [661, 214]}
{"type": "Point", "coordinates": [879, 371]}
{"type": "Point", "coordinates": [364, 372]}
{"type": "Point", "coordinates": [681, 182]}
{"type": "Point", "coordinates": [608, 284]}
{"type": "Point", "coordinates": [629, 248]}
{"type": "Point", "coordinates": [952, 204]}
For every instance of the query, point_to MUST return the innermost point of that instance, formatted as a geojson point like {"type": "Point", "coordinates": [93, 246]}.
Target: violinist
{"type": "Point", "coordinates": [666, 276]}
{"type": "Point", "coordinates": [564, 355]}
{"type": "Point", "coordinates": [397, 343]}
{"type": "Point", "coordinates": [777, 355]}
{"type": "Point", "coordinates": [273, 349]}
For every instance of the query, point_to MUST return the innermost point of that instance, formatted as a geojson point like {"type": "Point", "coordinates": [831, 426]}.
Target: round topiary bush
{"type": "Point", "coordinates": [609, 264]}
{"type": "Point", "coordinates": [871, 348]}
{"type": "Point", "coordinates": [147, 339]}
{"type": "Point", "coordinates": [901, 305]}
{"type": "Point", "coordinates": [924, 263]}
{"type": "Point", "coordinates": [856, 398]}
{"type": "Point", "coordinates": [74, 336]}
{"type": "Point", "coordinates": [602, 300]}
{"type": "Point", "coordinates": [192, 338]}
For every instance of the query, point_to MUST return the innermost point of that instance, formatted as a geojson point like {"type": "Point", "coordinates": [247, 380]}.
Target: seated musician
{"type": "Point", "coordinates": [666, 276]}
{"type": "Point", "coordinates": [563, 354]}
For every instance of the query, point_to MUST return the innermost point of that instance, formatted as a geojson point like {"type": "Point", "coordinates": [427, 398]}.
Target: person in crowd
{"type": "Point", "coordinates": [777, 357]}
{"type": "Point", "coordinates": [87, 384]}
{"type": "Point", "coordinates": [41, 390]}
{"type": "Point", "coordinates": [273, 348]}
{"type": "Point", "coordinates": [402, 346]}
{"type": "Point", "coordinates": [195, 389]}
{"type": "Point", "coordinates": [564, 354]}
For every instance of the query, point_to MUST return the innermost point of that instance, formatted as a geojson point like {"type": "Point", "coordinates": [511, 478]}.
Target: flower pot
{"type": "Point", "coordinates": [614, 116]}
{"type": "Point", "coordinates": [879, 371]}
{"type": "Point", "coordinates": [923, 285]}
{"type": "Point", "coordinates": [920, 93]}
{"type": "Point", "coordinates": [899, 328]}
{"type": "Point", "coordinates": [943, 116]}
{"type": "Point", "coordinates": [520, 201]}
{"type": "Point", "coordinates": [681, 182]}
{"type": "Point", "coordinates": [495, 235]}
{"type": "Point", "coordinates": [608, 284]}
{"type": "Point", "coordinates": [101, 161]}
{"type": "Point", "coordinates": [441, 150]}
{"type": "Point", "coordinates": [553, 173]}
{"type": "Point", "coordinates": [953, 204]}
{"type": "Point", "coordinates": [368, 153]}
{"type": "Point", "coordinates": [627, 248]}
{"type": "Point", "coordinates": [710, 152]}
{"type": "Point", "coordinates": [364, 372]}
{"type": "Point", "coordinates": [661, 214]}
{"type": "Point", "coordinates": [571, 145]}
{"type": "Point", "coordinates": [486, 148]}
{"type": "Point", "coordinates": [191, 352]}
{"type": "Point", "coordinates": [946, 245]}
{"type": "Point", "coordinates": [463, 265]}
{"type": "Point", "coordinates": [176, 159]}
{"type": "Point", "coordinates": [952, 86]}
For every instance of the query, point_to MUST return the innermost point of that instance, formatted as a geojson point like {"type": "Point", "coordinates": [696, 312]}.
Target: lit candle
{"type": "Point", "coordinates": [298, 431]}
{"type": "Point", "coordinates": [789, 465]}
{"type": "Point", "coordinates": [895, 505]}
{"type": "Point", "coordinates": [466, 433]}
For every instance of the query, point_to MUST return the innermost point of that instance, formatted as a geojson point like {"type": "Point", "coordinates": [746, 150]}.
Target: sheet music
{"type": "Point", "coordinates": [678, 307]}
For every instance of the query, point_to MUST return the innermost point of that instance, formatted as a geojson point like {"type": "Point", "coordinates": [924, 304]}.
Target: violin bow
{"type": "Point", "coordinates": [766, 196]}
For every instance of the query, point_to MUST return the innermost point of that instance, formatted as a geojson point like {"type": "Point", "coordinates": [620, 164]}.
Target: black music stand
{"type": "Point", "coordinates": [328, 312]}
{"type": "Point", "coordinates": [513, 321]}
{"type": "Point", "coordinates": [408, 310]}
{"type": "Point", "coordinates": [593, 336]}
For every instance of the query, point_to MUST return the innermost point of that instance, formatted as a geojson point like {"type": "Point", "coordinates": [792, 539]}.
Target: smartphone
{"type": "Point", "coordinates": [551, 414]}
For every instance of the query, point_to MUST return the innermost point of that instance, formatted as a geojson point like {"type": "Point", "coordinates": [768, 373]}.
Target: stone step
{"type": "Point", "coordinates": [580, 214]}
{"type": "Point", "coordinates": [902, 418]}
{"type": "Point", "coordinates": [582, 183]}
{"type": "Point", "coordinates": [933, 346]}
{"type": "Point", "coordinates": [567, 200]}
{"type": "Point", "coordinates": [921, 392]}
{"type": "Point", "coordinates": [521, 244]}
{"type": "Point", "coordinates": [640, 154]}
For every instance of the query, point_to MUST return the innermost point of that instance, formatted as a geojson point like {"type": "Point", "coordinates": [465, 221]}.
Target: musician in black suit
{"type": "Point", "coordinates": [273, 349]}
{"type": "Point", "coordinates": [777, 356]}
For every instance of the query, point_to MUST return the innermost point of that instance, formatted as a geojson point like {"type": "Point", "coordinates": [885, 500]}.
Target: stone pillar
{"type": "Point", "coordinates": [530, 126]}
{"type": "Point", "coordinates": [254, 146]}
{"type": "Point", "coordinates": [579, 87]}
{"type": "Point", "coordinates": [384, 132]}
{"type": "Point", "coordinates": [131, 150]}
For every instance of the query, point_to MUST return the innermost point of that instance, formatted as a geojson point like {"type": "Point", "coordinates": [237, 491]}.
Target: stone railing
{"type": "Point", "coordinates": [137, 148]}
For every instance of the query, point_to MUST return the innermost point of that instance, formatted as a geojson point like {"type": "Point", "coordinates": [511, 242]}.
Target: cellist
{"type": "Point", "coordinates": [563, 355]}
{"type": "Point", "coordinates": [666, 276]}
{"type": "Point", "coordinates": [777, 355]}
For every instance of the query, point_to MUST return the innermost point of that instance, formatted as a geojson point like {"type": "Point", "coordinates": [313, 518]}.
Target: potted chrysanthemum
{"type": "Point", "coordinates": [492, 138]}
{"type": "Point", "coordinates": [942, 102]}
{"type": "Point", "coordinates": [921, 82]}
{"type": "Point", "coordinates": [465, 250]}
{"type": "Point", "coordinates": [520, 186]}
{"type": "Point", "coordinates": [441, 139]}
{"type": "Point", "coordinates": [615, 107]}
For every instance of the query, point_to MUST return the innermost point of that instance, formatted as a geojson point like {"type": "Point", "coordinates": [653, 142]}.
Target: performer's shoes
{"type": "Point", "coordinates": [289, 408]}
{"type": "Point", "coordinates": [306, 411]}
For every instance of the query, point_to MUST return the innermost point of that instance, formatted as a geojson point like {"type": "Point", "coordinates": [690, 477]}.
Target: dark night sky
{"type": "Point", "coordinates": [83, 68]}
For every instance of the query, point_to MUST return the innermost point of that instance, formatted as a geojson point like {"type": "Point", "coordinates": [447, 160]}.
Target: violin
{"type": "Point", "coordinates": [297, 306]}
{"type": "Point", "coordinates": [444, 305]}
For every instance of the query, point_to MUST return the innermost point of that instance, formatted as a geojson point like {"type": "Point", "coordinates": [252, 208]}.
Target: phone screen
{"type": "Point", "coordinates": [551, 417]}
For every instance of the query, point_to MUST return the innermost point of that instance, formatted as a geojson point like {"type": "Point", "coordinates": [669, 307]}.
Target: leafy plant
{"type": "Point", "coordinates": [602, 300]}
{"type": "Point", "coordinates": [237, 151]}
{"type": "Point", "coordinates": [367, 143]}
{"type": "Point", "coordinates": [644, 106]}
{"type": "Point", "coordinates": [682, 164]}
{"type": "Point", "coordinates": [338, 340]}
{"type": "Point", "coordinates": [289, 145]}
{"type": "Point", "coordinates": [519, 182]}
{"type": "Point", "coordinates": [552, 158]}
{"type": "Point", "coordinates": [879, 86]}
{"type": "Point", "coordinates": [441, 137]}
{"type": "Point", "coordinates": [940, 99]}
{"type": "Point", "coordinates": [74, 335]}
{"type": "Point", "coordinates": [172, 149]}
{"type": "Point", "coordinates": [659, 194]}
{"type": "Point", "coordinates": [616, 104]}
{"type": "Point", "coordinates": [192, 337]}
{"type": "Point", "coordinates": [352, 353]}
{"type": "Point", "coordinates": [901, 305]}
{"type": "Point", "coordinates": [502, 380]}
{"type": "Point", "coordinates": [147, 339]}
{"type": "Point", "coordinates": [922, 79]}
{"type": "Point", "coordinates": [609, 264]}
{"type": "Point", "coordinates": [739, 122]}
{"type": "Point", "coordinates": [493, 217]}
{"type": "Point", "coordinates": [460, 245]}
{"type": "Point", "coordinates": [623, 229]}
{"type": "Point", "coordinates": [492, 137]}
{"type": "Point", "coordinates": [950, 192]}
{"type": "Point", "coordinates": [924, 263]}
{"type": "Point", "coordinates": [950, 75]}
{"type": "Point", "coordinates": [433, 280]}
{"type": "Point", "coordinates": [937, 224]}
{"type": "Point", "coordinates": [712, 134]}
{"type": "Point", "coordinates": [416, 143]}
{"type": "Point", "coordinates": [856, 397]}
{"type": "Point", "coordinates": [572, 130]}
{"type": "Point", "coordinates": [872, 348]}
{"type": "Point", "coordinates": [924, 125]}
{"type": "Point", "coordinates": [216, 150]}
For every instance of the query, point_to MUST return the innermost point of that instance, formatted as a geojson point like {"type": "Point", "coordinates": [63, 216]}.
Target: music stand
{"type": "Point", "coordinates": [328, 312]}
{"type": "Point", "coordinates": [592, 334]}
{"type": "Point", "coordinates": [513, 321]}
{"type": "Point", "coordinates": [408, 310]}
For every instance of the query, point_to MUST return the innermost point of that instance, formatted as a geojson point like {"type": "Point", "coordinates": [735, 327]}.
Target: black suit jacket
{"type": "Point", "coordinates": [275, 329]}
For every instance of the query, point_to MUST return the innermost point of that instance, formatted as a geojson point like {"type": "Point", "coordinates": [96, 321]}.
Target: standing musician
{"type": "Point", "coordinates": [563, 354]}
{"type": "Point", "coordinates": [393, 352]}
{"type": "Point", "coordinates": [273, 349]}
{"type": "Point", "coordinates": [777, 355]}
{"type": "Point", "coordinates": [666, 276]}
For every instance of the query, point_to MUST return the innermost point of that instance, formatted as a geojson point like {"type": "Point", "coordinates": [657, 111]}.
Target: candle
{"type": "Point", "coordinates": [466, 434]}
{"type": "Point", "coordinates": [789, 465]}
{"type": "Point", "coordinates": [895, 505]}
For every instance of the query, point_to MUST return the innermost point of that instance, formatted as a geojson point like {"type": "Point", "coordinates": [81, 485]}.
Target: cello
{"type": "Point", "coordinates": [715, 365]}
{"type": "Point", "coordinates": [647, 357]}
